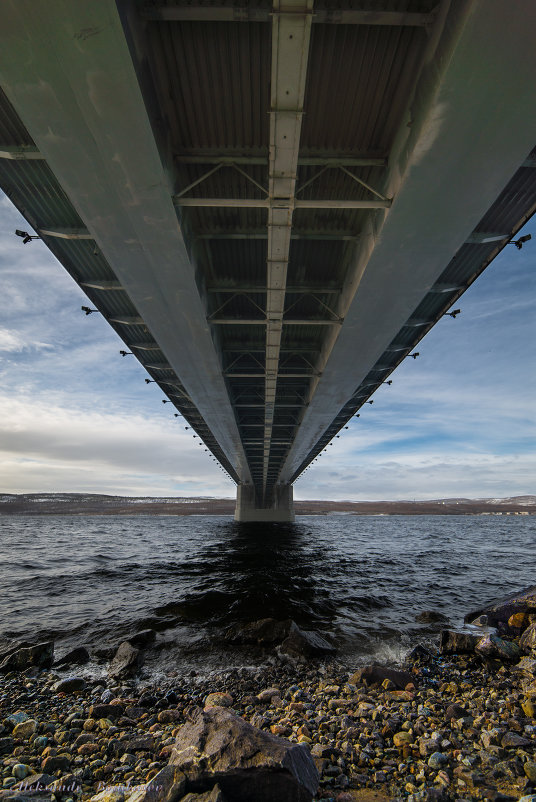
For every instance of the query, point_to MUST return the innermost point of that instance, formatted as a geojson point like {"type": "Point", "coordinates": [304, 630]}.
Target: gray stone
{"type": "Point", "coordinates": [491, 645]}
{"type": "Point", "coordinates": [511, 740]}
{"type": "Point", "coordinates": [305, 643]}
{"type": "Point", "coordinates": [248, 764]}
{"type": "Point", "coordinates": [141, 639]}
{"type": "Point", "coordinates": [530, 770]}
{"type": "Point", "coordinates": [78, 657]}
{"type": "Point", "coordinates": [125, 661]}
{"type": "Point", "coordinates": [437, 760]}
{"type": "Point", "coordinates": [36, 782]}
{"type": "Point", "coordinates": [41, 656]}
{"type": "Point", "coordinates": [69, 685]}
{"type": "Point", "coordinates": [53, 763]}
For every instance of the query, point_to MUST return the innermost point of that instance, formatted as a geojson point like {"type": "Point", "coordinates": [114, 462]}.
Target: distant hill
{"type": "Point", "coordinates": [94, 504]}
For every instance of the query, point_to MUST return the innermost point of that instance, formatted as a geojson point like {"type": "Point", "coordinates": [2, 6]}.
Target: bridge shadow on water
{"type": "Point", "coordinates": [252, 571]}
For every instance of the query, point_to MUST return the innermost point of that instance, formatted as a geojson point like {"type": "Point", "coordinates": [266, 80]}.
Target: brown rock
{"type": "Point", "coordinates": [247, 763]}
{"type": "Point", "coordinates": [41, 656]}
{"type": "Point", "coordinates": [126, 660]}
{"type": "Point", "coordinates": [168, 785]}
{"type": "Point", "coordinates": [376, 674]}
{"type": "Point", "coordinates": [528, 639]}
{"type": "Point", "coordinates": [501, 610]}
{"type": "Point", "coordinates": [458, 642]}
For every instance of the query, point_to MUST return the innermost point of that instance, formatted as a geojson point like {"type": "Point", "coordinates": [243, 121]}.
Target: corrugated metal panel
{"type": "Point", "coordinates": [203, 72]}
{"type": "Point", "coordinates": [363, 114]}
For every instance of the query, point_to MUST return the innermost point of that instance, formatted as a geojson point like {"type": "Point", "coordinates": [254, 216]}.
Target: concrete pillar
{"type": "Point", "coordinates": [281, 510]}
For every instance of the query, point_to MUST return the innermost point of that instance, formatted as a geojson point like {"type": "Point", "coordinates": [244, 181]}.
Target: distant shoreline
{"type": "Point", "coordinates": [97, 504]}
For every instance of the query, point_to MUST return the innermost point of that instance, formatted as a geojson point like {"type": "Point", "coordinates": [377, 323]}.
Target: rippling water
{"type": "Point", "coordinates": [363, 580]}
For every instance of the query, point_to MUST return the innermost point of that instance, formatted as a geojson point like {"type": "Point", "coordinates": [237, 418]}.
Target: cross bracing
{"type": "Point", "coordinates": [305, 189]}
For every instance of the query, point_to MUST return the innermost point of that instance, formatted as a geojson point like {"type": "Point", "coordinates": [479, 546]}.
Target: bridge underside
{"type": "Point", "coordinates": [271, 203]}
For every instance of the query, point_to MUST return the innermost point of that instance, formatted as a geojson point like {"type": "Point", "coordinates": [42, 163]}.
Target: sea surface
{"type": "Point", "coordinates": [360, 580]}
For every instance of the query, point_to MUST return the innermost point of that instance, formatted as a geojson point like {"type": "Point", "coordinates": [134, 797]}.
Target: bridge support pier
{"type": "Point", "coordinates": [281, 510]}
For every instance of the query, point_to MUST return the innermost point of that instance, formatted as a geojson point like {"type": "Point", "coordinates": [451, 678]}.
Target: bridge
{"type": "Point", "coordinates": [270, 202]}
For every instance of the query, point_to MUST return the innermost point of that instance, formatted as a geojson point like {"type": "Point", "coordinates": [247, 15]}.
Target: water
{"type": "Point", "coordinates": [361, 580]}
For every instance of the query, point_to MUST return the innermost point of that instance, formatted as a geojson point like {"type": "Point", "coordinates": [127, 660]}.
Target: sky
{"type": "Point", "coordinates": [77, 417]}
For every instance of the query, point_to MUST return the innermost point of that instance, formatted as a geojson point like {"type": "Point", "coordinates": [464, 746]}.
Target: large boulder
{"type": "Point", "coordinates": [453, 641]}
{"type": "Point", "coordinates": [126, 660]}
{"type": "Point", "coordinates": [499, 611]}
{"type": "Point", "coordinates": [249, 765]}
{"type": "Point", "coordinates": [263, 632]}
{"type": "Point", "coordinates": [305, 643]}
{"type": "Point", "coordinates": [76, 657]}
{"type": "Point", "coordinates": [40, 655]}
{"type": "Point", "coordinates": [375, 674]}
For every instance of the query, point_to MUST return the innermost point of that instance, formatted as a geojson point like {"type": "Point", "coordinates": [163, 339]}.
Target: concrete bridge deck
{"type": "Point", "coordinates": [271, 203]}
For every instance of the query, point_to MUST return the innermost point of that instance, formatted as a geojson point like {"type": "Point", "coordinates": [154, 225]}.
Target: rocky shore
{"type": "Point", "coordinates": [455, 723]}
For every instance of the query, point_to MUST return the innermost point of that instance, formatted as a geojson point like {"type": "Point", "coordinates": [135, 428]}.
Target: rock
{"type": "Point", "coordinates": [455, 711]}
{"type": "Point", "coordinates": [141, 639]}
{"type": "Point", "coordinates": [54, 762]}
{"type": "Point", "coordinates": [268, 694]}
{"type": "Point", "coordinates": [458, 641]}
{"type": "Point", "coordinates": [530, 770]}
{"type": "Point", "coordinates": [481, 621]}
{"type": "Point", "coordinates": [41, 656]}
{"type": "Point", "coordinates": [431, 617]}
{"type": "Point", "coordinates": [247, 763]}
{"type": "Point", "coordinates": [501, 610]}
{"type": "Point", "coordinates": [6, 745]}
{"type": "Point", "coordinates": [376, 674]}
{"type": "Point", "coordinates": [24, 729]}
{"type": "Point", "coordinates": [437, 760]}
{"type": "Point", "coordinates": [528, 639]}
{"type": "Point", "coordinates": [69, 685]}
{"type": "Point", "coordinates": [402, 738]}
{"type": "Point", "coordinates": [76, 657]}
{"type": "Point", "coordinates": [166, 786]}
{"type": "Point", "coordinates": [219, 700]}
{"type": "Point", "coordinates": [511, 740]}
{"type": "Point", "coordinates": [36, 782]}
{"type": "Point", "coordinates": [110, 795]}
{"type": "Point", "coordinates": [305, 643]}
{"type": "Point", "coordinates": [209, 796]}
{"type": "Point", "coordinates": [125, 661]}
{"type": "Point", "coordinates": [106, 711]}
{"type": "Point", "coordinates": [142, 743]}
{"type": "Point", "coordinates": [263, 632]}
{"type": "Point", "coordinates": [21, 770]}
{"type": "Point", "coordinates": [491, 645]}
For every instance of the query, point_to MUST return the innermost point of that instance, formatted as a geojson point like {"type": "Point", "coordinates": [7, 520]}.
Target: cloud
{"type": "Point", "coordinates": [46, 447]}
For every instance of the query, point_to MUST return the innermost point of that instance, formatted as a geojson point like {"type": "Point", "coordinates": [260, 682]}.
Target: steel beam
{"type": "Point", "coordinates": [20, 152]}
{"type": "Point", "coordinates": [66, 67]}
{"type": "Point", "coordinates": [276, 205]}
{"type": "Point", "coordinates": [232, 13]}
{"type": "Point", "coordinates": [98, 284]}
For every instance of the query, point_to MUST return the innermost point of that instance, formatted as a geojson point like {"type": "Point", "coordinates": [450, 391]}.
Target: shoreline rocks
{"type": "Point", "coordinates": [451, 726]}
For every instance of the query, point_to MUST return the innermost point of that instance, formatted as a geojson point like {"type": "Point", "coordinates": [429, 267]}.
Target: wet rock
{"type": "Point", "coordinates": [41, 656]}
{"type": "Point", "coordinates": [500, 611]}
{"type": "Point", "coordinates": [76, 657]}
{"type": "Point", "coordinates": [69, 685]}
{"type": "Point", "coordinates": [455, 711]}
{"type": "Point", "coordinates": [247, 763]}
{"type": "Point", "coordinates": [126, 660]}
{"type": "Point", "coordinates": [110, 795]}
{"type": "Point", "coordinates": [530, 770]}
{"type": "Point", "coordinates": [305, 643]}
{"type": "Point", "coordinates": [141, 639]}
{"type": "Point", "coordinates": [453, 641]}
{"type": "Point", "coordinates": [431, 617]}
{"type": "Point", "coordinates": [264, 632]}
{"type": "Point", "coordinates": [376, 674]}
